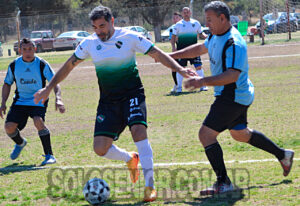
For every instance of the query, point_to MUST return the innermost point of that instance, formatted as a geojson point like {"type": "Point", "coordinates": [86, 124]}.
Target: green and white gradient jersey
{"type": "Point", "coordinates": [115, 62]}
{"type": "Point", "coordinates": [187, 31]}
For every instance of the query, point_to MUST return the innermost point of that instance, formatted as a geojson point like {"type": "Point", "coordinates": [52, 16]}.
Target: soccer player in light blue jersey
{"type": "Point", "coordinates": [30, 73]}
{"type": "Point", "coordinates": [234, 94]}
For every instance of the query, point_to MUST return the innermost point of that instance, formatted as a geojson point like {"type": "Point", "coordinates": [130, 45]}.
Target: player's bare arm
{"type": "Point", "coordinates": [230, 76]}
{"type": "Point", "coordinates": [192, 51]}
{"type": "Point", "coordinates": [203, 35]}
{"type": "Point", "coordinates": [5, 95]}
{"type": "Point", "coordinates": [167, 61]}
{"type": "Point", "coordinates": [62, 73]}
{"type": "Point", "coordinates": [58, 101]}
{"type": "Point", "coordinates": [173, 41]}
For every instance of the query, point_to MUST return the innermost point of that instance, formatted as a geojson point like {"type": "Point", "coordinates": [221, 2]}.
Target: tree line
{"type": "Point", "coordinates": [60, 14]}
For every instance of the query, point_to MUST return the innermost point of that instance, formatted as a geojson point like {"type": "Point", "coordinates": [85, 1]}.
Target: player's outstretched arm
{"type": "Point", "coordinates": [192, 51]}
{"type": "Point", "coordinates": [228, 77]}
{"type": "Point", "coordinates": [5, 95]}
{"type": "Point", "coordinates": [62, 73]}
{"type": "Point", "coordinates": [59, 105]}
{"type": "Point", "coordinates": [167, 61]}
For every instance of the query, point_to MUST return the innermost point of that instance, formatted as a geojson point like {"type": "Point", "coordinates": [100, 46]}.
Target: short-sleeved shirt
{"type": "Point", "coordinates": [235, 57]}
{"type": "Point", "coordinates": [115, 62]}
{"type": "Point", "coordinates": [171, 31]}
{"type": "Point", "coordinates": [28, 78]}
{"type": "Point", "coordinates": [187, 31]}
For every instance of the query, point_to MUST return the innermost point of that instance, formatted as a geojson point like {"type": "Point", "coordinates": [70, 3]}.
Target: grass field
{"type": "Point", "coordinates": [173, 121]}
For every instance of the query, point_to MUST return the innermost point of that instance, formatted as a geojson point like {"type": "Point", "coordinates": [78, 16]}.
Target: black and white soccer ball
{"type": "Point", "coordinates": [96, 191]}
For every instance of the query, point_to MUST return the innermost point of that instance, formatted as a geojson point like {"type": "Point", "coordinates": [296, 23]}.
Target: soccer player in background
{"type": "Point", "coordinates": [29, 72]}
{"type": "Point", "coordinates": [176, 18]}
{"type": "Point", "coordinates": [234, 94]}
{"type": "Point", "coordinates": [122, 99]}
{"type": "Point", "coordinates": [185, 33]}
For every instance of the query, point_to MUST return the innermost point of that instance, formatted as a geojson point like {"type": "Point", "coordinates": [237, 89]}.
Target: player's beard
{"type": "Point", "coordinates": [104, 37]}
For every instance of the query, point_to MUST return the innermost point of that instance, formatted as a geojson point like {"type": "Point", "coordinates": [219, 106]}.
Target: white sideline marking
{"type": "Point", "coordinates": [149, 64]}
{"type": "Point", "coordinates": [249, 58]}
{"type": "Point", "coordinates": [122, 165]}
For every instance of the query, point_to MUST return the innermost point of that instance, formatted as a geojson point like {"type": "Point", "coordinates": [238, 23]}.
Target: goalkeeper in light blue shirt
{"type": "Point", "coordinates": [30, 73]}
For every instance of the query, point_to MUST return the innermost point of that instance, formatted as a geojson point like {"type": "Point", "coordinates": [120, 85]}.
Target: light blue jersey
{"type": "Point", "coordinates": [29, 80]}
{"type": "Point", "coordinates": [230, 51]}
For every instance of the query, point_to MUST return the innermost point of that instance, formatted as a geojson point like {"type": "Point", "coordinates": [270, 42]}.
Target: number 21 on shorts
{"type": "Point", "coordinates": [134, 102]}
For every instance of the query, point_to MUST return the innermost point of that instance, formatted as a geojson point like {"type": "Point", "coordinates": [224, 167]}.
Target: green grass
{"type": "Point", "coordinates": [174, 121]}
{"type": "Point", "coordinates": [280, 38]}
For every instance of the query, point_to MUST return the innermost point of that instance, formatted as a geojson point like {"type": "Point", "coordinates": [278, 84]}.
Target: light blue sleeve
{"type": "Point", "coordinates": [9, 78]}
{"type": "Point", "coordinates": [48, 72]}
{"type": "Point", "coordinates": [206, 43]}
{"type": "Point", "coordinates": [236, 57]}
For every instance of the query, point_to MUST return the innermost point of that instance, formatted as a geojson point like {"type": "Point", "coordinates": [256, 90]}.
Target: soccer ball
{"type": "Point", "coordinates": [96, 191]}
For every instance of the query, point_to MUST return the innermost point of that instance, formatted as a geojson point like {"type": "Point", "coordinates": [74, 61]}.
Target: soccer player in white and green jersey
{"type": "Point", "coordinates": [186, 33]}
{"type": "Point", "coordinates": [122, 100]}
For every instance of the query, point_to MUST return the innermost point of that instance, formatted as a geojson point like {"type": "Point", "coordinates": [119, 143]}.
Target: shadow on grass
{"type": "Point", "coordinates": [269, 185]}
{"type": "Point", "coordinates": [108, 203]}
{"type": "Point", "coordinates": [229, 198]}
{"type": "Point", "coordinates": [16, 167]}
{"type": "Point", "coordinates": [181, 93]}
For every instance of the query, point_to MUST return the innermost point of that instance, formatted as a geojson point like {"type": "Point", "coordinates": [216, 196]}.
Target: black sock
{"type": "Point", "coordinates": [174, 77]}
{"type": "Point", "coordinates": [260, 141]}
{"type": "Point", "coordinates": [46, 142]}
{"type": "Point", "coordinates": [214, 154]}
{"type": "Point", "coordinates": [16, 137]}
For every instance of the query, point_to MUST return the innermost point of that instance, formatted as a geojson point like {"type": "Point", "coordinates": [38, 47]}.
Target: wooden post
{"type": "Point", "coordinates": [288, 18]}
{"type": "Point", "coordinates": [262, 23]}
{"type": "Point", "coordinates": [18, 29]}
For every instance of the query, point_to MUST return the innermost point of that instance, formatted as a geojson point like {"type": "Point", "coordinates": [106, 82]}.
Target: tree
{"type": "Point", "coordinates": [7, 9]}
{"type": "Point", "coordinates": [153, 11]}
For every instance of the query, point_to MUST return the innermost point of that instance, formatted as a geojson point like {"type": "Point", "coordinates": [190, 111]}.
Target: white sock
{"type": "Point", "coordinates": [179, 80]}
{"type": "Point", "coordinates": [200, 73]}
{"type": "Point", "coordinates": [146, 159]}
{"type": "Point", "coordinates": [116, 153]}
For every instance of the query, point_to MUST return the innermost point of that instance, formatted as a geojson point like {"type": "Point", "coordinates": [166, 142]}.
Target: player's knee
{"type": "Point", "coordinates": [10, 127]}
{"type": "Point", "coordinates": [138, 132]}
{"type": "Point", "coordinates": [100, 150]}
{"type": "Point", "coordinates": [241, 135]}
{"type": "Point", "coordinates": [39, 123]}
{"type": "Point", "coordinates": [202, 136]}
{"type": "Point", "coordinates": [207, 136]}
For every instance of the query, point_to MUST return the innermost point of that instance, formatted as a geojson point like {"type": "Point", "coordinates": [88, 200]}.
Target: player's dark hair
{"type": "Point", "coordinates": [219, 8]}
{"type": "Point", "coordinates": [26, 41]}
{"type": "Point", "coordinates": [99, 12]}
{"type": "Point", "coordinates": [178, 14]}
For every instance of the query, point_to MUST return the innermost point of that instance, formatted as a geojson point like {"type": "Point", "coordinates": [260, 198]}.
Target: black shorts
{"type": "Point", "coordinates": [112, 118]}
{"type": "Point", "coordinates": [19, 114]}
{"type": "Point", "coordinates": [195, 61]}
{"type": "Point", "coordinates": [226, 115]}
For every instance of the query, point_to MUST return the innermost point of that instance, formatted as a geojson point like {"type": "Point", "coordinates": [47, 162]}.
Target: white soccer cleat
{"type": "Point", "coordinates": [287, 162]}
